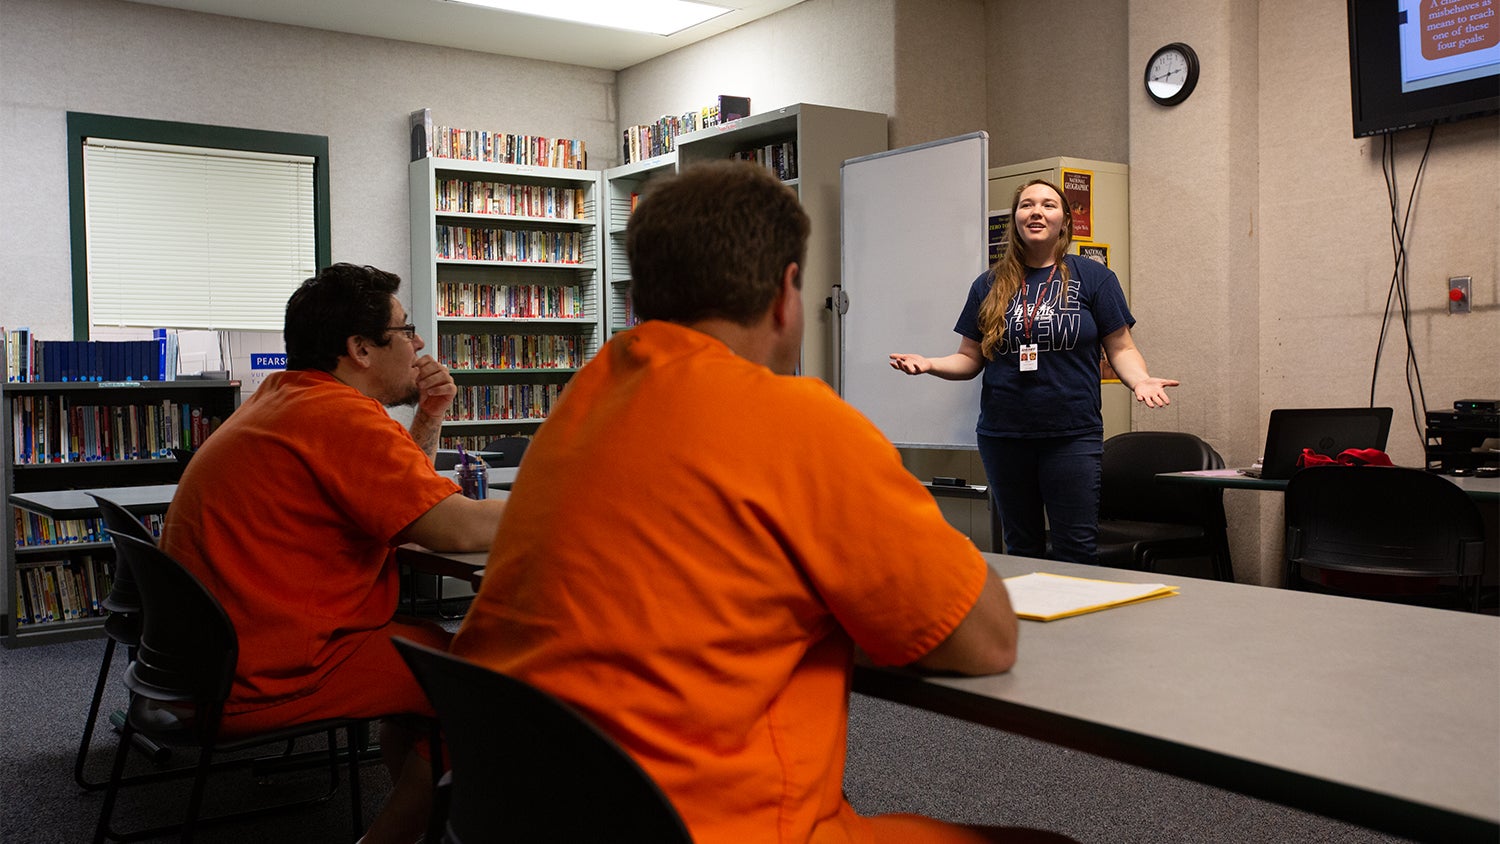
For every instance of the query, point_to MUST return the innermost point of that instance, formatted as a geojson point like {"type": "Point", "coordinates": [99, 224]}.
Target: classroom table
{"type": "Point", "coordinates": [500, 477]}
{"type": "Point", "coordinates": [1479, 489]}
{"type": "Point", "coordinates": [77, 504]}
{"type": "Point", "coordinates": [464, 565]}
{"type": "Point", "coordinates": [1383, 715]}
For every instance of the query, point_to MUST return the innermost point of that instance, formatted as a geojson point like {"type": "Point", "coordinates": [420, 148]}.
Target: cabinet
{"type": "Point", "coordinates": [506, 285]}
{"type": "Point", "coordinates": [86, 435]}
{"type": "Point", "coordinates": [807, 144]}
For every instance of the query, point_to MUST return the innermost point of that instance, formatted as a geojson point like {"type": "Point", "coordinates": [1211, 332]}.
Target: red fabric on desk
{"type": "Point", "coordinates": [1347, 457]}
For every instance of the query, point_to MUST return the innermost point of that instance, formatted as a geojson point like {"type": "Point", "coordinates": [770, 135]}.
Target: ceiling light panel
{"type": "Point", "coordinates": [658, 17]}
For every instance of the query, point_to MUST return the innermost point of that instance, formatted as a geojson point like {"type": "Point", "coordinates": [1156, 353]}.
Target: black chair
{"type": "Point", "coordinates": [1384, 532]}
{"type": "Point", "coordinates": [178, 683]}
{"type": "Point", "coordinates": [182, 456]}
{"type": "Point", "coordinates": [1143, 520]}
{"type": "Point", "coordinates": [511, 450]}
{"type": "Point", "coordinates": [528, 767]}
{"type": "Point", "coordinates": [121, 627]}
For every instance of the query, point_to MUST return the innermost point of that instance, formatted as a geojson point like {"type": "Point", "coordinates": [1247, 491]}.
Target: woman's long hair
{"type": "Point", "coordinates": [1009, 272]}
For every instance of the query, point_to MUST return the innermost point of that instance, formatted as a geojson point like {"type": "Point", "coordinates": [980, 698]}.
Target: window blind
{"type": "Point", "coordinates": [193, 237]}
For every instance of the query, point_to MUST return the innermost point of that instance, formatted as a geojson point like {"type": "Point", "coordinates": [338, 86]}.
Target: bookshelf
{"type": "Point", "coordinates": [505, 285]}
{"type": "Point", "coordinates": [622, 184]}
{"type": "Point", "coordinates": [807, 142]}
{"type": "Point", "coordinates": [86, 435]}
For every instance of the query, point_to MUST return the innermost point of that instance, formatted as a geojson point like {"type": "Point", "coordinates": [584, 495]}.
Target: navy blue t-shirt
{"type": "Point", "coordinates": [1061, 398]}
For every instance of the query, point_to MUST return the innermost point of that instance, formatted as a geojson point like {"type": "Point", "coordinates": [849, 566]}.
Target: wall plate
{"type": "Point", "coordinates": [1459, 306]}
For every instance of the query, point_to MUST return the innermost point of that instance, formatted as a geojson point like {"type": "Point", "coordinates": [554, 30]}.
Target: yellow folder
{"type": "Point", "coordinates": [1045, 597]}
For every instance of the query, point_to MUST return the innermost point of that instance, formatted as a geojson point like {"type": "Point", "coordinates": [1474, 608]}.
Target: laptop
{"type": "Point", "coordinates": [1326, 430]}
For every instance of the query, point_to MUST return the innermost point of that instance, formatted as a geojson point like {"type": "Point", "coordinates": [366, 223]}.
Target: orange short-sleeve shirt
{"type": "Point", "coordinates": [690, 553]}
{"type": "Point", "coordinates": [287, 514]}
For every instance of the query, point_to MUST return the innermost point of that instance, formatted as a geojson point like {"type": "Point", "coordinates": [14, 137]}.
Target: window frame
{"type": "Point", "coordinates": [82, 125]}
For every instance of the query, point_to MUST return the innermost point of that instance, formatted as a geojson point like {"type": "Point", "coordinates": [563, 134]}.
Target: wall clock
{"type": "Point", "coordinates": [1171, 74]}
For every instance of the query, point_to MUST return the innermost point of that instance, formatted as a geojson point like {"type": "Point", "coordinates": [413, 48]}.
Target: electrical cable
{"type": "Point", "coordinates": [1399, 292]}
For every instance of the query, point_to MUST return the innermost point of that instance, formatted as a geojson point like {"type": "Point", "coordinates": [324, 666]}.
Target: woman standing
{"type": "Point", "coordinates": [1034, 324]}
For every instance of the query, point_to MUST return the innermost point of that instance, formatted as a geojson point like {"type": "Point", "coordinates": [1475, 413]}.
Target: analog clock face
{"type": "Point", "coordinates": [1168, 73]}
{"type": "Point", "coordinates": [1172, 73]}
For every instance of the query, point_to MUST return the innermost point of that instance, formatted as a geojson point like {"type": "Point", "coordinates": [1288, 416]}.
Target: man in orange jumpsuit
{"type": "Point", "coordinates": [289, 514]}
{"type": "Point", "coordinates": [699, 541]}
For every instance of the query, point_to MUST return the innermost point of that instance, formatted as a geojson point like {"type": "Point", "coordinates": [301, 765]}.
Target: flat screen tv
{"type": "Point", "coordinates": [1420, 62]}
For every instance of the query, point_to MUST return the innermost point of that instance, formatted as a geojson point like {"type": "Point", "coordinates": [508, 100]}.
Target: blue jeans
{"type": "Point", "coordinates": [1049, 480]}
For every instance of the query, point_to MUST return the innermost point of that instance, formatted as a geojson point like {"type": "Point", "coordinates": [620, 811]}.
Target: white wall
{"type": "Point", "coordinates": [827, 52]}
{"type": "Point", "coordinates": [1262, 248]}
{"type": "Point", "coordinates": [136, 60]}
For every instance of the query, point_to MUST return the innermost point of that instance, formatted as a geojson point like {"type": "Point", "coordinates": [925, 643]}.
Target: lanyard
{"type": "Point", "coordinates": [1027, 316]}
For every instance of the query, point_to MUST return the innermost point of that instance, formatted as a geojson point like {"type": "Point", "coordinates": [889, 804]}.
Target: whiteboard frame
{"type": "Point", "coordinates": [914, 226]}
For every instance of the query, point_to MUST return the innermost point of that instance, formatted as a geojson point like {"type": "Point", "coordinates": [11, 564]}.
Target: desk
{"type": "Point", "coordinates": [464, 565]}
{"type": "Point", "coordinates": [500, 477]}
{"type": "Point", "coordinates": [1384, 715]}
{"type": "Point", "coordinates": [76, 503]}
{"type": "Point", "coordinates": [1479, 489]}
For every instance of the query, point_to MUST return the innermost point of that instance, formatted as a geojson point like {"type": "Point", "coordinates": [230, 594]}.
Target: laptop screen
{"type": "Point", "coordinates": [1326, 430]}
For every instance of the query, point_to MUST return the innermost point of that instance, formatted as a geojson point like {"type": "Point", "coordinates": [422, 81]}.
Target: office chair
{"type": "Point", "coordinates": [511, 450]}
{"type": "Point", "coordinates": [1383, 532]}
{"type": "Point", "coordinates": [528, 767]}
{"type": "Point", "coordinates": [182, 456]}
{"type": "Point", "coordinates": [178, 683]}
{"type": "Point", "coordinates": [121, 627]}
{"type": "Point", "coordinates": [1143, 521]}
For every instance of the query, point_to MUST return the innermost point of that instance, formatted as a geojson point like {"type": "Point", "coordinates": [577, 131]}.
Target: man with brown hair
{"type": "Point", "coordinates": [699, 540]}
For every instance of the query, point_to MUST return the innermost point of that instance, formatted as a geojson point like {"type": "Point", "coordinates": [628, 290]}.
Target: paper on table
{"type": "Point", "coordinates": [1045, 597]}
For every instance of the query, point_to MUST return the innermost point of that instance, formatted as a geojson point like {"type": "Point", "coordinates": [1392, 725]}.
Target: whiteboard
{"type": "Point", "coordinates": [914, 238]}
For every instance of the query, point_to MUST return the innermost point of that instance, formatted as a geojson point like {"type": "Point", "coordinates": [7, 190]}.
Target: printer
{"type": "Point", "coordinates": [1465, 440]}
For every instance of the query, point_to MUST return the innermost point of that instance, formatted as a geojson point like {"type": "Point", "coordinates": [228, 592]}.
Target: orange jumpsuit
{"type": "Point", "coordinates": [287, 514]}
{"type": "Point", "coordinates": [690, 555]}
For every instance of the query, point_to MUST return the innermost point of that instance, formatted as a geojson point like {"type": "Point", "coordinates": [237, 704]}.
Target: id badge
{"type": "Point", "coordinates": [1028, 357]}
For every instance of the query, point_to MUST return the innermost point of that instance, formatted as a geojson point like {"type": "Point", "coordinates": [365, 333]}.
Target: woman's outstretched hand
{"type": "Point", "coordinates": [1153, 391]}
{"type": "Point", "coordinates": [911, 364]}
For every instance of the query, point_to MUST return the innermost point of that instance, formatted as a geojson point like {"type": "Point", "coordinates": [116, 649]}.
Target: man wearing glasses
{"type": "Point", "coordinates": [289, 514]}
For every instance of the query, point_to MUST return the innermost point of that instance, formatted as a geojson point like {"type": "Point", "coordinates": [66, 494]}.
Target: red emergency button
{"type": "Point", "coordinates": [1455, 294]}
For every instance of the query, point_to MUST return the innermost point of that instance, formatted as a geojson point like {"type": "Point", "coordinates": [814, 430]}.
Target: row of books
{"type": "Point", "coordinates": [516, 301]}
{"type": "Point", "coordinates": [33, 530]}
{"type": "Point", "coordinates": [471, 244]}
{"type": "Point", "coordinates": [28, 359]}
{"type": "Point", "coordinates": [781, 158]}
{"type": "Point", "coordinates": [470, 442]}
{"type": "Point", "coordinates": [506, 148]}
{"type": "Point", "coordinates": [58, 429]}
{"type": "Point", "coordinates": [511, 351]}
{"type": "Point", "coordinates": [61, 591]}
{"type": "Point", "coordinates": [649, 140]}
{"type": "Point", "coordinates": [627, 311]}
{"type": "Point", "coordinates": [480, 197]}
{"type": "Point", "coordinates": [504, 401]}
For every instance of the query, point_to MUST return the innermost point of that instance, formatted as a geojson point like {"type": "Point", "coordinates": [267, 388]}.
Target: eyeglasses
{"type": "Point", "coordinates": [409, 330]}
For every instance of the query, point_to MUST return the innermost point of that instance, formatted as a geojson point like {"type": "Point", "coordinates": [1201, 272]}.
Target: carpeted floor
{"type": "Point", "coordinates": [900, 759]}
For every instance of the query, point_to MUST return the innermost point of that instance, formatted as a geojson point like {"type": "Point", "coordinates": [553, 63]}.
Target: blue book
{"type": "Point", "coordinates": [160, 338]}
